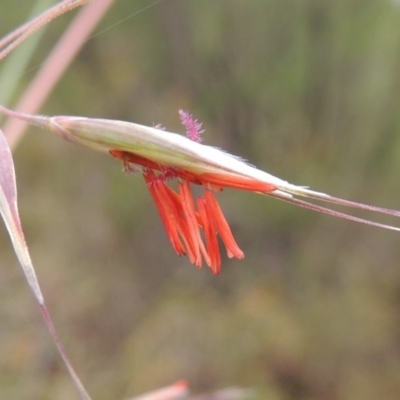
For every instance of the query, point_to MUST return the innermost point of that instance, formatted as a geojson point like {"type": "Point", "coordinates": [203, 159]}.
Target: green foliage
{"type": "Point", "coordinates": [308, 91]}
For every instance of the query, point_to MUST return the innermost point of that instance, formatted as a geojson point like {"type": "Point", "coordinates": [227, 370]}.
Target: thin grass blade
{"type": "Point", "coordinates": [9, 212]}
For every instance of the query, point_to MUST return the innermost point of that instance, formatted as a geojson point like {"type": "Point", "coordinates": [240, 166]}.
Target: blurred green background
{"type": "Point", "coordinates": [308, 90]}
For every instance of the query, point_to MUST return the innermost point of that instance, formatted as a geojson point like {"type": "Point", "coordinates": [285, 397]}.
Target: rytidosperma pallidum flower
{"type": "Point", "coordinates": [192, 225]}
{"type": "Point", "coordinates": [182, 222]}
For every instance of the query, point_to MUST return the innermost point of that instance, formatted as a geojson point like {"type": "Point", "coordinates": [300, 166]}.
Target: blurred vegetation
{"type": "Point", "coordinates": [307, 90]}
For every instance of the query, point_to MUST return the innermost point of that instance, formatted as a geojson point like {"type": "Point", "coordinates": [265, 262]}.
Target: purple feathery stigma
{"type": "Point", "coordinates": [193, 126]}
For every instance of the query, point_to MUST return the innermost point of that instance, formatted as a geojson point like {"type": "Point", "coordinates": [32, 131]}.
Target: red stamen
{"type": "Point", "coordinates": [177, 216]}
{"type": "Point", "coordinates": [179, 220]}
{"type": "Point", "coordinates": [165, 214]}
{"type": "Point", "coordinates": [216, 215]}
{"type": "Point", "coordinates": [192, 219]}
{"type": "Point", "coordinates": [211, 236]}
